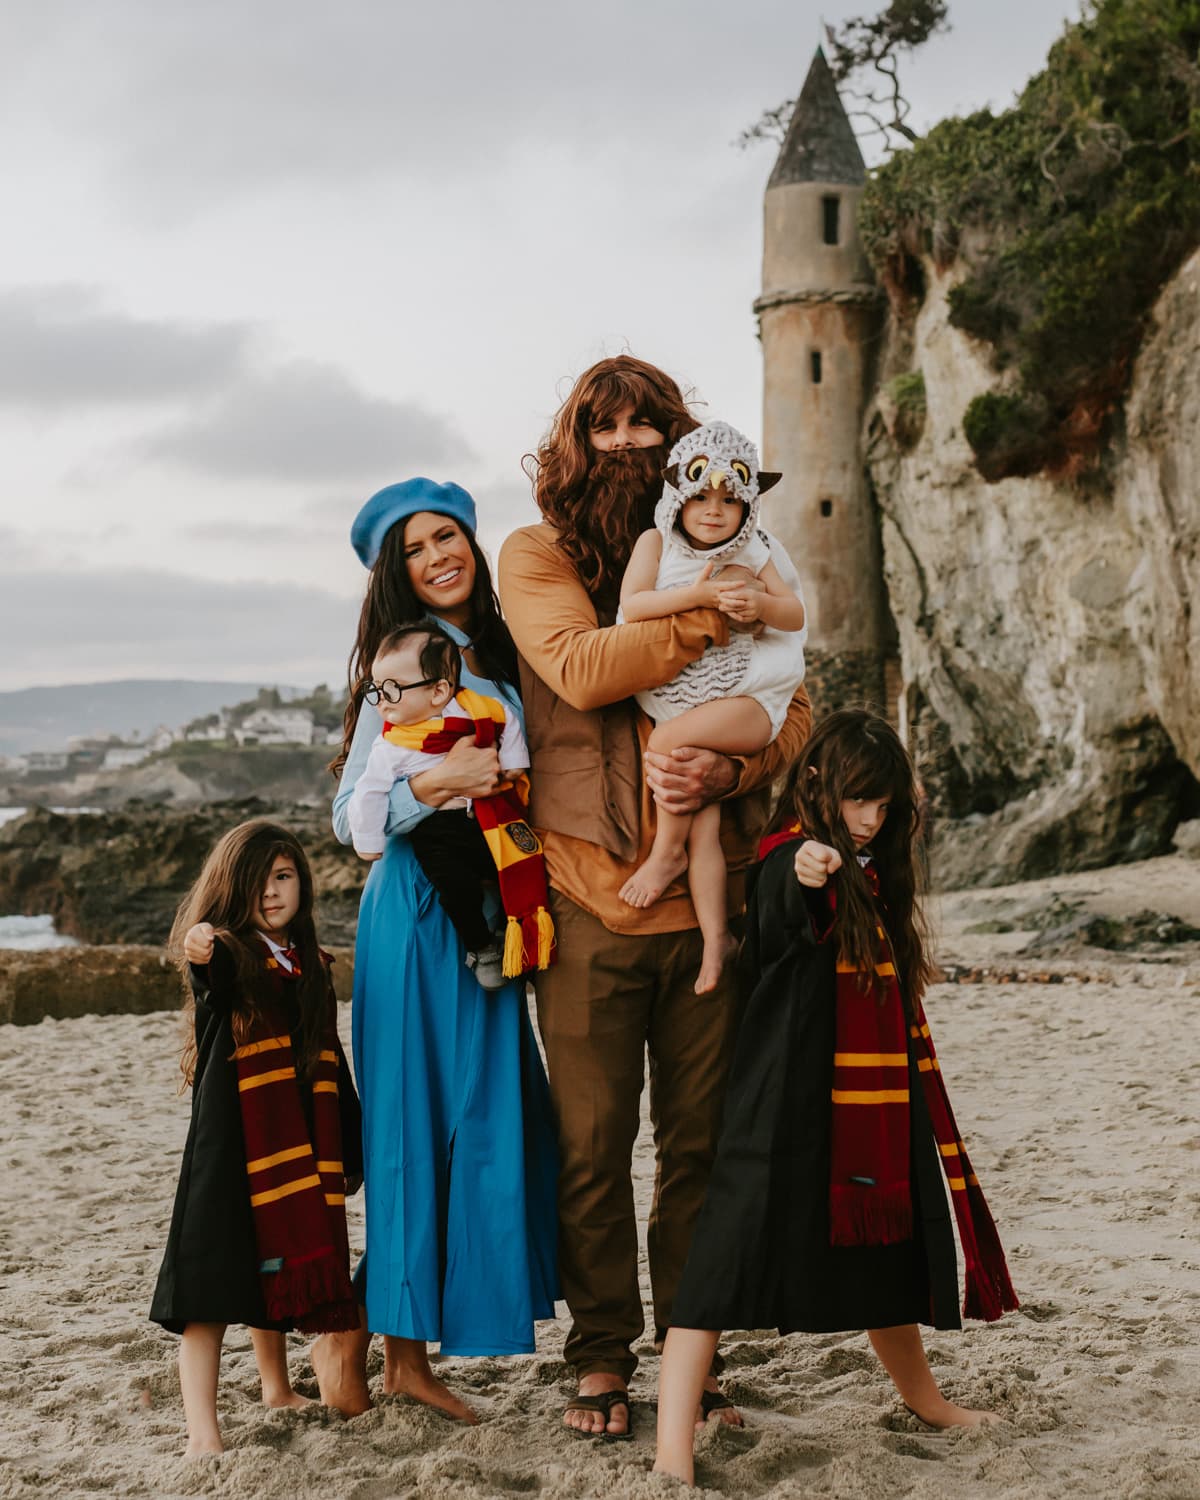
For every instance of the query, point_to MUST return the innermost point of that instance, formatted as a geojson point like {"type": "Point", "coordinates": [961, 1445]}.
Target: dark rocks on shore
{"type": "Point", "coordinates": [130, 979]}
{"type": "Point", "coordinates": [118, 877]}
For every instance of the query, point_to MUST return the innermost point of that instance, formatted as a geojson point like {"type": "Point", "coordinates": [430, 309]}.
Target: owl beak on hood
{"type": "Point", "coordinates": [717, 477]}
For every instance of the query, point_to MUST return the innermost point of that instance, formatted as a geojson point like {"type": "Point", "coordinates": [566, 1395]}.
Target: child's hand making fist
{"type": "Point", "coordinates": [815, 863]}
{"type": "Point", "coordinates": [198, 944]}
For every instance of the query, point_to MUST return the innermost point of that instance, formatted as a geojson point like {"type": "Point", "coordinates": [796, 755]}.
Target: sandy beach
{"type": "Point", "coordinates": [1074, 1076]}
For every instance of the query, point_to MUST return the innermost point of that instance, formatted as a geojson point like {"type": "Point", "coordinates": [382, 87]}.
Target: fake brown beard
{"type": "Point", "coordinates": [614, 507]}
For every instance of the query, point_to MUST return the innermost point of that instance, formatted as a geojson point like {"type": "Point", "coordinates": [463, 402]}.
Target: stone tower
{"type": "Point", "coordinates": [819, 323]}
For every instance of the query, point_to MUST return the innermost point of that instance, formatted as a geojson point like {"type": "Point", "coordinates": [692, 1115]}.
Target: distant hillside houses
{"type": "Point", "coordinates": [276, 726]}
{"type": "Point", "coordinates": [262, 721]}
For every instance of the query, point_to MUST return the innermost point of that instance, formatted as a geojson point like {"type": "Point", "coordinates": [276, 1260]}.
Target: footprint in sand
{"type": "Point", "coordinates": [908, 1446]}
{"type": "Point", "coordinates": [844, 1362]}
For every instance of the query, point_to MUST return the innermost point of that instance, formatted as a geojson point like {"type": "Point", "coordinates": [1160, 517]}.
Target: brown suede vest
{"type": "Point", "coordinates": [586, 776]}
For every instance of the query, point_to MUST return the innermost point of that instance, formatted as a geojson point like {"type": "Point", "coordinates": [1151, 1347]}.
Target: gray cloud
{"type": "Point", "coordinates": [194, 105]}
{"type": "Point", "coordinates": [59, 348]}
{"type": "Point", "coordinates": [311, 526]}
{"type": "Point", "coordinates": [272, 93]}
{"type": "Point", "coordinates": [140, 623]}
{"type": "Point", "coordinates": [303, 422]}
{"type": "Point", "coordinates": [18, 549]}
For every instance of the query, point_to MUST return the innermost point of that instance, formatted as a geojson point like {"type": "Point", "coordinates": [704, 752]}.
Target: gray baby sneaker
{"type": "Point", "coordinates": [488, 966]}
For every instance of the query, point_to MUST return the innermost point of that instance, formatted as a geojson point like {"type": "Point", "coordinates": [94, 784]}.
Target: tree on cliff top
{"type": "Point", "coordinates": [867, 50]}
{"type": "Point", "coordinates": [1069, 213]}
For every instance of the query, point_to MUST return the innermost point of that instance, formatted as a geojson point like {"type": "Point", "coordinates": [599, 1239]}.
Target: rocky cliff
{"type": "Point", "coordinates": [118, 877]}
{"type": "Point", "coordinates": [1049, 627]}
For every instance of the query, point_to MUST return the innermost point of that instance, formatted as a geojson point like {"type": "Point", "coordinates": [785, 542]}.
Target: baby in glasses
{"type": "Point", "coordinates": [415, 683]}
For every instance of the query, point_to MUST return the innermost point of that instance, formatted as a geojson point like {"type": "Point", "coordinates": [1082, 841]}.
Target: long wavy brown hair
{"type": "Point", "coordinates": [226, 894]}
{"type": "Point", "coordinates": [391, 601]}
{"type": "Point", "coordinates": [855, 753]}
{"type": "Point", "coordinates": [597, 533]}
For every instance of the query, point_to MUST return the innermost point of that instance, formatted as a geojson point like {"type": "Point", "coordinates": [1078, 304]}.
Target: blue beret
{"type": "Point", "coordinates": [399, 501]}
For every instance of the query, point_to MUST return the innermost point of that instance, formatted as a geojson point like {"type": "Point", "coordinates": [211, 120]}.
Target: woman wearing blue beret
{"type": "Point", "coordinates": [458, 1137]}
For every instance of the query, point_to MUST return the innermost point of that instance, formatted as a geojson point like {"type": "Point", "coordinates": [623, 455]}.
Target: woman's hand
{"type": "Point", "coordinates": [469, 770]}
{"type": "Point", "coordinates": [687, 779]}
{"type": "Point", "coordinates": [198, 944]}
{"type": "Point", "coordinates": [815, 863]}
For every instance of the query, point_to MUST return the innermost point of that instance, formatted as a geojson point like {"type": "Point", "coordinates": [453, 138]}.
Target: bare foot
{"type": "Point", "coordinates": [424, 1386]}
{"type": "Point", "coordinates": [339, 1362]}
{"type": "Point", "coordinates": [649, 881]}
{"type": "Point", "coordinates": [294, 1399]}
{"type": "Point", "coordinates": [716, 955]}
{"type": "Point", "coordinates": [593, 1421]}
{"type": "Point", "coordinates": [728, 1415]}
{"type": "Point", "coordinates": [944, 1414]}
{"type": "Point", "coordinates": [203, 1447]}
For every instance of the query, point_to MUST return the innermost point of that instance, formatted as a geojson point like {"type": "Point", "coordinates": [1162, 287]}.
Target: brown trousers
{"type": "Point", "coordinates": [608, 999]}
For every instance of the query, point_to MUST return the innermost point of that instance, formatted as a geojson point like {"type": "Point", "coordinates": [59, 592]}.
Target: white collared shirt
{"type": "Point", "coordinates": [278, 953]}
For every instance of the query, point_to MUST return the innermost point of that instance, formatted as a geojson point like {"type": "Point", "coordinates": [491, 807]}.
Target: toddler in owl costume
{"type": "Point", "coordinates": [707, 550]}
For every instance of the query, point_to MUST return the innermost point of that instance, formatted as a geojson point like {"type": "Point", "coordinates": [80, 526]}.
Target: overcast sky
{"type": "Point", "coordinates": [261, 257]}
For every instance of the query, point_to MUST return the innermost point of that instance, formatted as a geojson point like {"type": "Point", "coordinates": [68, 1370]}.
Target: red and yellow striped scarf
{"type": "Point", "coordinates": [515, 849]}
{"type": "Point", "coordinates": [870, 1195]}
{"type": "Point", "coordinates": [297, 1184]}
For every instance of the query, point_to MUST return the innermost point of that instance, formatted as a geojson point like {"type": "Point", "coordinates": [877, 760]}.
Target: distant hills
{"type": "Point", "coordinates": [44, 718]}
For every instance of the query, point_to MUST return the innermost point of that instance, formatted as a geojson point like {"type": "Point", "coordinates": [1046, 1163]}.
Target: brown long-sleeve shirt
{"type": "Point", "coordinates": [590, 802]}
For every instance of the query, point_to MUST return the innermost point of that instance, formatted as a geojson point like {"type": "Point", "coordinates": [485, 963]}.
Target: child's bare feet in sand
{"type": "Point", "coordinates": [942, 1414]}
{"type": "Point", "coordinates": [339, 1362]}
{"type": "Point", "coordinates": [903, 1356]}
{"type": "Point", "coordinates": [278, 1399]}
{"type": "Point", "coordinates": [203, 1445]}
{"type": "Point", "coordinates": [649, 881]}
{"type": "Point", "coordinates": [270, 1354]}
{"type": "Point", "coordinates": [717, 954]}
{"type": "Point", "coordinates": [406, 1372]}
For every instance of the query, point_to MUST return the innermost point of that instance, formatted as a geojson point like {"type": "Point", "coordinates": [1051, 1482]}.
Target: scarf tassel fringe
{"type": "Point", "coordinates": [870, 1216]}
{"type": "Point", "coordinates": [532, 935]}
{"type": "Point", "coordinates": [313, 1293]}
{"type": "Point", "coordinates": [989, 1294]}
{"type": "Point", "coordinates": [514, 949]}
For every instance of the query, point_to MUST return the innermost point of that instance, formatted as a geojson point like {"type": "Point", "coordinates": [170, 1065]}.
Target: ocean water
{"type": "Point", "coordinates": [30, 932]}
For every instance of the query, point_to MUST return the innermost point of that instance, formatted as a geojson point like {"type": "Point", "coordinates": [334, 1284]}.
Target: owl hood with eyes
{"type": "Point", "coordinates": [713, 452]}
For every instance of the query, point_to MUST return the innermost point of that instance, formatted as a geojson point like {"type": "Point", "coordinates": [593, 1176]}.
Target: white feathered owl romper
{"type": "Point", "coordinates": [769, 667]}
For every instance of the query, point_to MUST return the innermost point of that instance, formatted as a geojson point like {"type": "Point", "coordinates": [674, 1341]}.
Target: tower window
{"type": "Point", "coordinates": [815, 361]}
{"type": "Point", "coordinates": [827, 507]}
{"type": "Point", "coordinates": [830, 217]}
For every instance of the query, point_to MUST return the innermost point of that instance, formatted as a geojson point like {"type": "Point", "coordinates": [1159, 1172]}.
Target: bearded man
{"type": "Point", "coordinates": [624, 978]}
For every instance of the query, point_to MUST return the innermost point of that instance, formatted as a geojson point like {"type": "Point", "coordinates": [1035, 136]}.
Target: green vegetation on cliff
{"type": "Point", "coordinates": [906, 395]}
{"type": "Point", "coordinates": [1069, 212]}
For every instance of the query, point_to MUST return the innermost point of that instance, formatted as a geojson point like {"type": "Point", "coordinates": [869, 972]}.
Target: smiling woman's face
{"type": "Point", "coordinates": [441, 565]}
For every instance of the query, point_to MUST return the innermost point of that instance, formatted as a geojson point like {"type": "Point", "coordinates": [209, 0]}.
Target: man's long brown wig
{"type": "Point", "coordinates": [391, 601]}
{"type": "Point", "coordinates": [855, 753]}
{"type": "Point", "coordinates": [226, 894]}
{"type": "Point", "coordinates": [598, 538]}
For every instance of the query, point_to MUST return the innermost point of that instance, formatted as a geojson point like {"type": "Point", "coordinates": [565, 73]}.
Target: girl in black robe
{"type": "Point", "coordinates": [764, 1253]}
{"type": "Point", "coordinates": [247, 945]}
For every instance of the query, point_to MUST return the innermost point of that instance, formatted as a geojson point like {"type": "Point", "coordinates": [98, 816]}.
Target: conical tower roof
{"type": "Point", "coordinates": [820, 145]}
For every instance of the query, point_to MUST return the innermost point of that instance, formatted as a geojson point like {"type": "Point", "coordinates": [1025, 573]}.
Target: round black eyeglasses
{"type": "Point", "coordinates": [391, 691]}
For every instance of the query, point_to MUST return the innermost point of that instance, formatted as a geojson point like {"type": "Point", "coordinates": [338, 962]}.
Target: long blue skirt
{"type": "Point", "coordinates": [458, 1136]}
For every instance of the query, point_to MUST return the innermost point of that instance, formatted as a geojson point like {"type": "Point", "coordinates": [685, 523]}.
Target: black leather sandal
{"type": "Point", "coordinates": [603, 1402]}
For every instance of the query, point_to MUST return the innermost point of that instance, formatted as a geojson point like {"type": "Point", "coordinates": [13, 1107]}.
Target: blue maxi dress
{"type": "Point", "coordinates": [459, 1152]}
